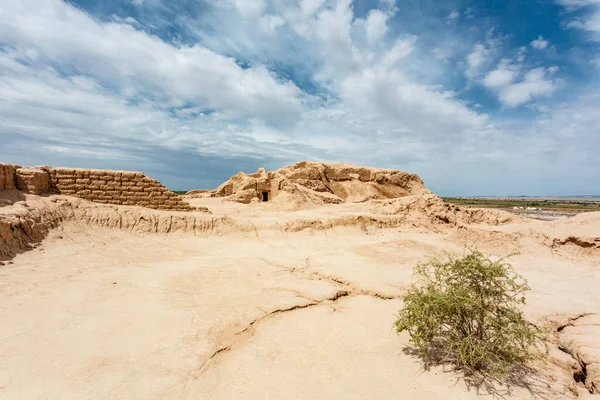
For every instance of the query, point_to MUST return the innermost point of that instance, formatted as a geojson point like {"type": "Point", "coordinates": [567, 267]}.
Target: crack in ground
{"type": "Point", "coordinates": [356, 291]}
{"type": "Point", "coordinates": [351, 288]}
{"type": "Point", "coordinates": [571, 321]}
{"type": "Point", "coordinates": [339, 294]}
{"type": "Point", "coordinates": [578, 376]}
{"type": "Point", "coordinates": [222, 349]}
{"type": "Point", "coordinates": [216, 353]}
{"type": "Point", "coordinates": [345, 289]}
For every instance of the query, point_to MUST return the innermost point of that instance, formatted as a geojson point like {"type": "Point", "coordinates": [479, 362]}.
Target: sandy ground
{"type": "Point", "coordinates": [103, 313]}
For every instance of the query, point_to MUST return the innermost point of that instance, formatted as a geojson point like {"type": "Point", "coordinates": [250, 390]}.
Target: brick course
{"type": "Point", "coordinates": [100, 186]}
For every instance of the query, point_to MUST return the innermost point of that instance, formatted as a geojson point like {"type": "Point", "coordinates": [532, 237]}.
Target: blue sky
{"type": "Point", "coordinates": [477, 97]}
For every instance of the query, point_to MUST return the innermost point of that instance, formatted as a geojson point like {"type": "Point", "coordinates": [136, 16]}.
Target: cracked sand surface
{"type": "Point", "coordinates": [96, 312]}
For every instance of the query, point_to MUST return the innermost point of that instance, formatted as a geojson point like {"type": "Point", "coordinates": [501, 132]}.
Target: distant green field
{"type": "Point", "coordinates": [180, 192]}
{"type": "Point", "coordinates": [573, 205]}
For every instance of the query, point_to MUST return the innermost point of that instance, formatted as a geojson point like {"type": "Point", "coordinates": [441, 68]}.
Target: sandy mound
{"type": "Point", "coordinates": [427, 210]}
{"type": "Point", "coordinates": [24, 224]}
{"type": "Point", "coordinates": [198, 193]}
{"type": "Point", "coordinates": [25, 220]}
{"type": "Point", "coordinates": [307, 184]}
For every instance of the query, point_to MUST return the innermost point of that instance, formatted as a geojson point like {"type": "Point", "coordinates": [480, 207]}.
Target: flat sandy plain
{"type": "Point", "coordinates": [255, 303]}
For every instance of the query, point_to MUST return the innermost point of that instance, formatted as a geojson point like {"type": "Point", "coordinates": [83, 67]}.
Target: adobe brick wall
{"type": "Point", "coordinates": [32, 180]}
{"type": "Point", "coordinates": [101, 186]}
{"type": "Point", "coordinates": [7, 177]}
{"type": "Point", "coordinates": [115, 187]}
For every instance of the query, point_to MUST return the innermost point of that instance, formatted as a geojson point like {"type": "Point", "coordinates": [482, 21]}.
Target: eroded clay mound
{"type": "Point", "coordinates": [25, 220]}
{"type": "Point", "coordinates": [429, 209]}
{"type": "Point", "coordinates": [311, 183]}
{"type": "Point", "coordinates": [198, 193]}
{"type": "Point", "coordinates": [24, 224]}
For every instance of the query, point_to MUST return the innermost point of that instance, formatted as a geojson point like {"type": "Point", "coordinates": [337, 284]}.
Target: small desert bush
{"type": "Point", "coordinates": [467, 311]}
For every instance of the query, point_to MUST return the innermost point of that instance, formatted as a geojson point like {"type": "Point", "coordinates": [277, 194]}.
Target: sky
{"type": "Point", "coordinates": [494, 97]}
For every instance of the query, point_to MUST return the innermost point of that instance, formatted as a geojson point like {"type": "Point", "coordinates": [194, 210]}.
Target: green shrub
{"type": "Point", "coordinates": [466, 311]}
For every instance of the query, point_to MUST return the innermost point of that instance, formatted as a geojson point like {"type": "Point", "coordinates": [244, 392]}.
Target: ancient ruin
{"type": "Point", "coordinates": [289, 285]}
{"type": "Point", "coordinates": [100, 186]}
{"type": "Point", "coordinates": [315, 183]}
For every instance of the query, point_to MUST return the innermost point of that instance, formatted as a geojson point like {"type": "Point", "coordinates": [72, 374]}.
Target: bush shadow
{"type": "Point", "coordinates": [500, 387]}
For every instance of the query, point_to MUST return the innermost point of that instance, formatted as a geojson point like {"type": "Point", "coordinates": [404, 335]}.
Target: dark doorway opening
{"type": "Point", "coordinates": [265, 196]}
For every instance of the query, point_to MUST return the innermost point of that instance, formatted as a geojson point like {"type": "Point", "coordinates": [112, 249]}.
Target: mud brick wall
{"type": "Point", "coordinates": [7, 176]}
{"type": "Point", "coordinates": [32, 180]}
{"type": "Point", "coordinates": [115, 187]}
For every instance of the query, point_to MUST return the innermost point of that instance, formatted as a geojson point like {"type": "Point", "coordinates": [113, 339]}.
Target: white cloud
{"type": "Point", "coordinates": [402, 48]}
{"type": "Point", "coordinates": [333, 28]}
{"type": "Point", "coordinates": [502, 76]}
{"type": "Point", "coordinates": [540, 43]}
{"type": "Point", "coordinates": [333, 25]}
{"type": "Point", "coordinates": [144, 65]}
{"type": "Point", "coordinates": [440, 54]}
{"type": "Point", "coordinates": [375, 26]}
{"type": "Point", "coordinates": [482, 55]}
{"type": "Point", "coordinates": [388, 4]}
{"type": "Point", "coordinates": [477, 56]}
{"type": "Point", "coordinates": [578, 3]}
{"type": "Point", "coordinates": [137, 3]}
{"type": "Point", "coordinates": [452, 16]}
{"type": "Point", "coordinates": [542, 108]}
{"type": "Point", "coordinates": [250, 8]}
{"type": "Point", "coordinates": [507, 80]}
{"type": "Point", "coordinates": [537, 153]}
{"type": "Point", "coordinates": [477, 60]}
{"type": "Point", "coordinates": [553, 69]}
{"type": "Point", "coordinates": [537, 82]}
{"type": "Point", "coordinates": [310, 7]}
{"type": "Point", "coordinates": [413, 107]}
{"type": "Point", "coordinates": [151, 77]}
{"type": "Point", "coordinates": [513, 86]}
{"type": "Point", "coordinates": [302, 19]}
{"type": "Point", "coordinates": [591, 23]}
{"type": "Point", "coordinates": [588, 21]}
{"type": "Point", "coordinates": [521, 53]}
{"type": "Point", "coordinates": [270, 23]}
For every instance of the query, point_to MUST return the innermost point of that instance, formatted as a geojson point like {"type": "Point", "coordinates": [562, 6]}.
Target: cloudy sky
{"type": "Point", "coordinates": [488, 97]}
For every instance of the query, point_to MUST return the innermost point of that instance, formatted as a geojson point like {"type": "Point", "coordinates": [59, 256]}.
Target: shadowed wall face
{"type": "Point", "coordinates": [7, 177]}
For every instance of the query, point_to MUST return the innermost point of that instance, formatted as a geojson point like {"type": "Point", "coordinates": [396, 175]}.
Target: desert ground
{"type": "Point", "coordinates": [263, 300]}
